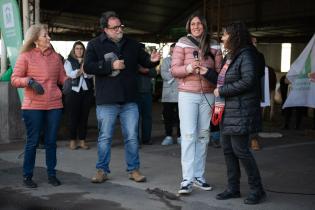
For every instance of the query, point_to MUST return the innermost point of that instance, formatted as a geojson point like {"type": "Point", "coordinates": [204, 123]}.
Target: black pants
{"type": "Point", "coordinates": [78, 106]}
{"type": "Point", "coordinates": [144, 102]}
{"type": "Point", "coordinates": [300, 112]}
{"type": "Point", "coordinates": [235, 149]}
{"type": "Point", "coordinates": [170, 115]}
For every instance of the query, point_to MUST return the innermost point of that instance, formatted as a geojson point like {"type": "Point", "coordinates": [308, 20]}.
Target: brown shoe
{"type": "Point", "coordinates": [255, 145]}
{"type": "Point", "coordinates": [83, 145]}
{"type": "Point", "coordinates": [137, 176]}
{"type": "Point", "coordinates": [99, 177]}
{"type": "Point", "coordinates": [72, 145]}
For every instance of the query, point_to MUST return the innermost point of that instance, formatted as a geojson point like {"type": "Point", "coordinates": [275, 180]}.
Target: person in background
{"type": "Point", "coordinates": [261, 72]}
{"type": "Point", "coordinates": [114, 59]}
{"type": "Point", "coordinates": [6, 76]}
{"type": "Point", "coordinates": [215, 135]}
{"type": "Point", "coordinates": [238, 84]}
{"type": "Point", "coordinates": [195, 97]}
{"type": "Point", "coordinates": [79, 100]}
{"type": "Point", "coordinates": [272, 90]}
{"type": "Point", "coordinates": [169, 100]}
{"type": "Point", "coordinates": [144, 101]}
{"type": "Point", "coordinates": [311, 77]}
{"type": "Point", "coordinates": [300, 112]}
{"type": "Point", "coordinates": [39, 70]}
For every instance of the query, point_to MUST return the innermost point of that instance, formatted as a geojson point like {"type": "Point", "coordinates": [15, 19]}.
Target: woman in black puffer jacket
{"type": "Point", "coordinates": [241, 116]}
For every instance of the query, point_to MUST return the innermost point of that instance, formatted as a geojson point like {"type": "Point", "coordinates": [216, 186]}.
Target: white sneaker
{"type": "Point", "coordinates": [185, 188]}
{"type": "Point", "coordinates": [168, 140]}
{"type": "Point", "coordinates": [179, 140]}
{"type": "Point", "coordinates": [201, 183]}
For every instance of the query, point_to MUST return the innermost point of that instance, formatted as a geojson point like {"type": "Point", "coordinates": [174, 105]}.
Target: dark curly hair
{"type": "Point", "coordinates": [239, 37]}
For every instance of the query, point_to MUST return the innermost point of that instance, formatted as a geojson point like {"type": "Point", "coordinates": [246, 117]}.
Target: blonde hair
{"type": "Point", "coordinates": [32, 35]}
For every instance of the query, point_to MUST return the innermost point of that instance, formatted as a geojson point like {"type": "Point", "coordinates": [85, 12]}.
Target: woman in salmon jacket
{"type": "Point", "coordinates": [191, 53]}
{"type": "Point", "coordinates": [39, 70]}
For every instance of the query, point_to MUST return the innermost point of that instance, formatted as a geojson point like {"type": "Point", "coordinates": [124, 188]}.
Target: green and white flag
{"type": "Point", "coordinates": [11, 30]}
{"type": "Point", "coordinates": [302, 91]}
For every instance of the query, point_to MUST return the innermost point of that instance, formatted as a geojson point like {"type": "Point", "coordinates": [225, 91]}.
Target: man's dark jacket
{"type": "Point", "coordinates": [242, 113]}
{"type": "Point", "coordinates": [123, 87]}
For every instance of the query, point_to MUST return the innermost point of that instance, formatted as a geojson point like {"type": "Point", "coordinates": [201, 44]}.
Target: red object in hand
{"type": "Point", "coordinates": [312, 76]}
{"type": "Point", "coordinates": [217, 114]}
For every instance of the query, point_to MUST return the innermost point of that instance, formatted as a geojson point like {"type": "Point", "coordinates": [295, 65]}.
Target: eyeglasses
{"type": "Point", "coordinates": [116, 28]}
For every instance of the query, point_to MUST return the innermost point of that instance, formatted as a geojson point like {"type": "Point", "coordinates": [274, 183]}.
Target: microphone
{"type": "Point", "coordinates": [196, 56]}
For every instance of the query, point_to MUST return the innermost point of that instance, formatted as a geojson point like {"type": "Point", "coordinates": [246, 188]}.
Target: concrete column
{"type": "Point", "coordinates": [12, 127]}
{"type": "Point", "coordinates": [26, 17]}
{"type": "Point", "coordinates": [3, 57]}
{"type": "Point", "coordinates": [37, 11]}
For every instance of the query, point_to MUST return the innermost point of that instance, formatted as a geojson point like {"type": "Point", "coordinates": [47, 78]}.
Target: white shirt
{"type": "Point", "coordinates": [73, 74]}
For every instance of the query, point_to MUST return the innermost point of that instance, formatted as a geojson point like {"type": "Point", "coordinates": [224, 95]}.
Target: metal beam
{"type": "Point", "coordinates": [180, 17]}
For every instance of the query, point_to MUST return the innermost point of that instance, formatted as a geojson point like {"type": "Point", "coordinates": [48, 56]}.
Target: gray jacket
{"type": "Point", "coordinates": [170, 92]}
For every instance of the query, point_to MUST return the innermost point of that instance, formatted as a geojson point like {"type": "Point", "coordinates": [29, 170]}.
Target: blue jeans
{"type": "Point", "coordinates": [106, 117]}
{"type": "Point", "coordinates": [35, 121]}
{"type": "Point", "coordinates": [215, 136]}
{"type": "Point", "coordinates": [194, 115]}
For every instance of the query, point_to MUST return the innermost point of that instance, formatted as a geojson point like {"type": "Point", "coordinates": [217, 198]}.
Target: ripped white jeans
{"type": "Point", "coordinates": [195, 115]}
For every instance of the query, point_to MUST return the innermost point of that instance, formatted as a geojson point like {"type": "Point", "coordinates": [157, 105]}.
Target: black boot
{"type": "Point", "coordinates": [227, 194]}
{"type": "Point", "coordinates": [28, 182]}
{"type": "Point", "coordinates": [255, 197]}
{"type": "Point", "coordinates": [53, 181]}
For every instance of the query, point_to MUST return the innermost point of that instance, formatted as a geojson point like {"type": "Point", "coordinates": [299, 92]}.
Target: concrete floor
{"type": "Point", "coordinates": [286, 165]}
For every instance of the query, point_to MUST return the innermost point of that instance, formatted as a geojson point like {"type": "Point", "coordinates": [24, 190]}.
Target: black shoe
{"type": "Point", "coordinates": [28, 182]}
{"type": "Point", "coordinates": [53, 181]}
{"type": "Point", "coordinates": [147, 143]}
{"type": "Point", "coordinates": [227, 194]}
{"type": "Point", "coordinates": [255, 198]}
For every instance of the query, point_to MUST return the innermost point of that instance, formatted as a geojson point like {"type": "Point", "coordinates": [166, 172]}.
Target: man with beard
{"type": "Point", "coordinates": [113, 58]}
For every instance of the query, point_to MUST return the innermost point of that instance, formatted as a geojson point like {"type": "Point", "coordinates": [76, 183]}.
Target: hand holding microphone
{"type": "Point", "coordinates": [196, 63]}
{"type": "Point", "coordinates": [198, 68]}
{"type": "Point", "coordinates": [195, 66]}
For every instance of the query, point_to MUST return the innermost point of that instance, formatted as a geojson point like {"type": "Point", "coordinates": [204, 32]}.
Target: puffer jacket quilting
{"type": "Point", "coordinates": [242, 114]}
{"type": "Point", "coordinates": [183, 56]}
{"type": "Point", "coordinates": [47, 69]}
